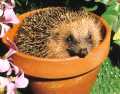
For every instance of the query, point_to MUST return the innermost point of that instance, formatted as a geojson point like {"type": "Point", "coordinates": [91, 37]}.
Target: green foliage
{"type": "Point", "coordinates": [108, 79]}
{"type": "Point", "coordinates": [116, 38]}
{"type": "Point", "coordinates": [27, 5]}
{"type": "Point", "coordinates": [112, 16]}
{"type": "Point", "coordinates": [117, 42]}
{"type": "Point", "coordinates": [103, 1]}
{"type": "Point", "coordinates": [109, 76]}
{"type": "Point", "coordinates": [112, 13]}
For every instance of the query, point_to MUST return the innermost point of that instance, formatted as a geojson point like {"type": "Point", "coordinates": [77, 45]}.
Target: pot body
{"type": "Point", "coordinates": [76, 85]}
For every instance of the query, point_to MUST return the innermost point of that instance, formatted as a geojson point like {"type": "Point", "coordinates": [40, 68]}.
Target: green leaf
{"type": "Point", "coordinates": [116, 25]}
{"type": "Point", "coordinates": [107, 2]}
{"type": "Point", "coordinates": [67, 2]}
{"type": "Point", "coordinates": [103, 1]}
{"type": "Point", "coordinates": [117, 42]}
{"type": "Point", "coordinates": [114, 9]}
{"type": "Point", "coordinates": [116, 37]}
{"type": "Point", "coordinates": [110, 19]}
{"type": "Point", "coordinates": [92, 8]}
{"type": "Point", "coordinates": [18, 3]}
{"type": "Point", "coordinates": [111, 15]}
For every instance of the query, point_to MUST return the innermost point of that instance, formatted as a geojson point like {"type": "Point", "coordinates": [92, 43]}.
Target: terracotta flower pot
{"type": "Point", "coordinates": [61, 76]}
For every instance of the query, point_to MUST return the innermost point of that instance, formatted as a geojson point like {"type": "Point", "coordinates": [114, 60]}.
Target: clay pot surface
{"type": "Point", "coordinates": [80, 72]}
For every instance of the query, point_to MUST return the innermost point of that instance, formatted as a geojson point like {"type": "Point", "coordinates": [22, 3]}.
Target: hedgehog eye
{"type": "Point", "coordinates": [89, 38]}
{"type": "Point", "coordinates": [71, 40]}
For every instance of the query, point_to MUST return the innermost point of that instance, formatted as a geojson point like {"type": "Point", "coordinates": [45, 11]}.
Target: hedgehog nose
{"type": "Point", "coordinates": [83, 52]}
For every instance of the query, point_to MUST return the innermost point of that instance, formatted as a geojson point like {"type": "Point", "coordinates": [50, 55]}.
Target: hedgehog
{"type": "Point", "coordinates": [59, 32]}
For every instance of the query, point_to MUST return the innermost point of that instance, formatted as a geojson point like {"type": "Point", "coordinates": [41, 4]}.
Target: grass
{"type": "Point", "coordinates": [108, 81]}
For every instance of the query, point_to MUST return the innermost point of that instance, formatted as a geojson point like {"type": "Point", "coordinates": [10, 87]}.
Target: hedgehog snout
{"type": "Point", "coordinates": [82, 52]}
{"type": "Point", "coordinates": [74, 51]}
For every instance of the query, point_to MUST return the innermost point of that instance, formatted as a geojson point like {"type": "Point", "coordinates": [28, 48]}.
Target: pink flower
{"type": "Point", "coordinates": [10, 53]}
{"type": "Point", "coordinates": [16, 82]}
{"type": "Point", "coordinates": [4, 29]}
{"type": "Point", "coordinates": [12, 83]}
{"type": "Point", "coordinates": [8, 13]}
{"type": "Point", "coordinates": [12, 49]}
{"type": "Point", "coordinates": [3, 81]}
{"type": "Point", "coordinates": [11, 88]}
{"type": "Point", "coordinates": [11, 2]}
{"type": "Point", "coordinates": [7, 16]}
{"type": "Point", "coordinates": [12, 44]}
{"type": "Point", "coordinates": [4, 65]}
{"type": "Point", "coordinates": [15, 69]}
{"type": "Point", "coordinates": [21, 81]}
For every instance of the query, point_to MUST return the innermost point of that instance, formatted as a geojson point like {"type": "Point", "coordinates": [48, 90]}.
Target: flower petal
{"type": "Point", "coordinates": [15, 68]}
{"type": "Point", "coordinates": [3, 81]}
{"type": "Point", "coordinates": [4, 29]}
{"type": "Point", "coordinates": [11, 43]}
{"type": "Point", "coordinates": [4, 65]}
{"type": "Point", "coordinates": [10, 16]}
{"type": "Point", "coordinates": [12, 2]}
{"type": "Point", "coordinates": [9, 53]}
{"type": "Point", "coordinates": [9, 72]}
{"type": "Point", "coordinates": [21, 81]}
{"type": "Point", "coordinates": [11, 89]}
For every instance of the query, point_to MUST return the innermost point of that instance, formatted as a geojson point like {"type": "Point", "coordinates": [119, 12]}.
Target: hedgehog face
{"type": "Point", "coordinates": [83, 37]}
{"type": "Point", "coordinates": [79, 46]}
